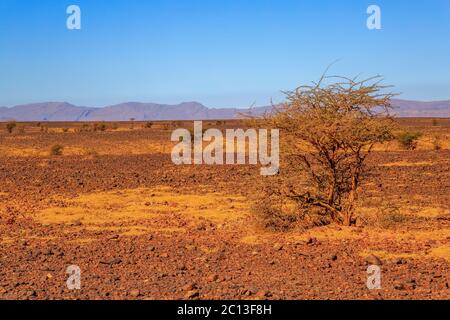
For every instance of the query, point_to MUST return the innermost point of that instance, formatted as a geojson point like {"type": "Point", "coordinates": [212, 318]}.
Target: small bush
{"type": "Point", "coordinates": [437, 143]}
{"type": "Point", "coordinates": [56, 150]}
{"type": "Point", "coordinates": [114, 126]}
{"type": "Point", "coordinates": [387, 216]}
{"type": "Point", "coordinates": [10, 126]}
{"type": "Point", "coordinates": [148, 124]}
{"type": "Point", "coordinates": [408, 140]}
{"type": "Point", "coordinates": [99, 127]}
{"type": "Point", "coordinates": [435, 122]}
{"type": "Point", "coordinates": [65, 129]}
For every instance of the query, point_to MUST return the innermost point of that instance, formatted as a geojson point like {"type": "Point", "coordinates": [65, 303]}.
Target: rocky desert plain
{"type": "Point", "coordinates": [110, 200]}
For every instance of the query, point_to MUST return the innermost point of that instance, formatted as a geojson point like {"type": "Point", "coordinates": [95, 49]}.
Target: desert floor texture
{"type": "Point", "coordinates": [140, 227]}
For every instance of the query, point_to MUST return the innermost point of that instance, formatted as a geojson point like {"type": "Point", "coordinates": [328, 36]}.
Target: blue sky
{"type": "Point", "coordinates": [218, 52]}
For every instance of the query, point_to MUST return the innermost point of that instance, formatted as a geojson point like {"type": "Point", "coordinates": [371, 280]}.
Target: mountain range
{"type": "Point", "coordinates": [64, 111]}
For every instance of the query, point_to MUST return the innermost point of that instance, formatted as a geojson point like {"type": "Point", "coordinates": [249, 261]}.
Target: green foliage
{"type": "Point", "coordinates": [56, 150]}
{"type": "Point", "coordinates": [408, 140]}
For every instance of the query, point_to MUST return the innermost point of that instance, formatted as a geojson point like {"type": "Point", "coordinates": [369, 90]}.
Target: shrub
{"type": "Point", "coordinates": [329, 129]}
{"type": "Point", "coordinates": [56, 150]}
{"type": "Point", "coordinates": [437, 143]}
{"type": "Point", "coordinates": [148, 124]}
{"type": "Point", "coordinates": [10, 126]}
{"type": "Point", "coordinates": [408, 140]}
{"type": "Point", "coordinates": [65, 129]}
{"type": "Point", "coordinates": [386, 216]}
{"type": "Point", "coordinates": [99, 127]}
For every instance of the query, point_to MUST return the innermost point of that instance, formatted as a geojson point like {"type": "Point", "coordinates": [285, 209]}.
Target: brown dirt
{"type": "Point", "coordinates": [140, 227]}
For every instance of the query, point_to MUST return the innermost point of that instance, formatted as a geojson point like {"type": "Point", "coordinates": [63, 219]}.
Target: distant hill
{"type": "Point", "coordinates": [434, 109]}
{"type": "Point", "coordinates": [63, 111]}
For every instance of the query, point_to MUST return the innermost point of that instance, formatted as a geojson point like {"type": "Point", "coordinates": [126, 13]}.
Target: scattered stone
{"type": "Point", "coordinates": [135, 293]}
{"type": "Point", "coordinates": [31, 293]}
{"type": "Point", "coordinates": [3, 290]}
{"type": "Point", "coordinates": [245, 292]}
{"type": "Point", "coordinates": [277, 247]}
{"type": "Point", "coordinates": [192, 294]}
{"type": "Point", "coordinates": [201, 227]}
{"type": "Point", "coordinates": [373, 260]}
{"type": "Point", "coordinates": [189, 287]}
{"type": "Point", "coordinates": [399, 286]}
{"type": "Point", "coordinates": [48, 252]}
{"type": "Point", "coordinates": [262, 294]}
{"type": "Point", "coordinates": [114, 237]}
{"type": "Point", "coordinates": [333, 257]}
{"type": "Point", "coordinates": [47, 268]}
{"type": "Point", "coordinates": [412, 284]}
{"type": "Point", "coordinates": [213, 278]}
{"type": "Point", "coordinates": [311, 241]}
{"type": "Point", "coordinates": [23, 242]}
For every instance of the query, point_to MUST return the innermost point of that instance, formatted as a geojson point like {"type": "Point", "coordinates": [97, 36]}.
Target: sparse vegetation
{"type": "Point", "coordinates": [10, 126]}
{"type": "Point", "coordinates": [99, 127]}
{"type": "Point", "coordinates": [437, 144]}
{"type": "Point", "coordinates": [132, 196]}
{"type": "Point", "coordinates": [328, 132]}
{"type": "Point", "coordinates": [148, 124]}
{"type": "Point", "coordinates": [56, 150]}
{"type": "Point", "coordinates": [408, 140]}
{"type": "Point", "coordinates": [385, 216]}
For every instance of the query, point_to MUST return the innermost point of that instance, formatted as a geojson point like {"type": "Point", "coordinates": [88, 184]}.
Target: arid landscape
{"type": "Point", "coordinates": [106, 197]}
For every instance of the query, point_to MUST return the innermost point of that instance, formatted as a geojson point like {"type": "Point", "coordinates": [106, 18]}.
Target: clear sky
{"type": "Point", "coordinates": [218, 52]}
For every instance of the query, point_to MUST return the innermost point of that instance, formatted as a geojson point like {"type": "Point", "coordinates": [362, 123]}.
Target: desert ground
{"type": "Point", "coordinates": [140, 227]}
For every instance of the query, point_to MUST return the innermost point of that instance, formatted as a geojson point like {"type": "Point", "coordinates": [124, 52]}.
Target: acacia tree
{"type": "Point", "coordinates": [328, 129]}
